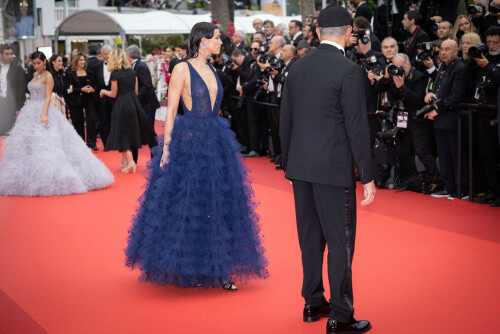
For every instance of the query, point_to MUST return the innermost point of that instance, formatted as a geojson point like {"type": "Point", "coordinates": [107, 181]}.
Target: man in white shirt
{"type": "Point", "coordinates": [295, 28]}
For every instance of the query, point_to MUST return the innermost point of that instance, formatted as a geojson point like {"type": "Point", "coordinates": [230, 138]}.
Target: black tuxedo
{"type": "Point", "coordinates": [410, 46]}
{"type": "Point", "coordinates": [365, 11]}
{"type": "Point", "coordinates": [296, 40]}
{"type": "Point", "coordinates": [321, 136]}
{"type": "Point", "coordinates": [14, 99]}
{"type": "Point", "coordinates": [104, 104]}
{"type": "Point", "coordinates": [147, 95]}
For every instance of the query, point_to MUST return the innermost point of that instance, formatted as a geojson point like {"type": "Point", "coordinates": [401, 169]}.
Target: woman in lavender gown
{"type": "Point", "coordinates": [43, 155]}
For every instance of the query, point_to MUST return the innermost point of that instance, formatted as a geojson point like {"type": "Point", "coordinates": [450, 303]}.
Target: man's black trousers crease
{"type": "Point", "coordinates": [447, 145]}
{"type": "Point", "coordinates": [257, 127]}
{"type": "Point", "coordinates": [423, 139]}
{"type": "Point", "coordinates": [326, 215]}
{"type": "Point", "coordinates": [273, 114]}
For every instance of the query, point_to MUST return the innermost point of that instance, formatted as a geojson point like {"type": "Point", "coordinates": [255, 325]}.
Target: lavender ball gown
{"type": "Point", "coordinates": [47, 161]}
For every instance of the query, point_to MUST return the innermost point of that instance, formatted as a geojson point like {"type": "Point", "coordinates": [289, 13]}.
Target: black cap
{"type": "Point", "coordinates": [334, 16]}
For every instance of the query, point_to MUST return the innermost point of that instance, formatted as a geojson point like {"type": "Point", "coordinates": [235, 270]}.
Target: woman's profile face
{"type": "Point", "coordinates": [169, 53]}
{"type": "Point", "coordinates": [464, 25]}
{"type": "Point", "coordinates": [214, 43]}
{"type": "Point", "coordinates": [58, 64]}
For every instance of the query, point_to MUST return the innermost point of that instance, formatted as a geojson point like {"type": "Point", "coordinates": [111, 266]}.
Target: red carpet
{"type": "Point", "coordinates": [422, 265]}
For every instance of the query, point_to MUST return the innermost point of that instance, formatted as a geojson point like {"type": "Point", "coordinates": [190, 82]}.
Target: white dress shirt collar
{"type": "Point", "coordinates": [337, 45]}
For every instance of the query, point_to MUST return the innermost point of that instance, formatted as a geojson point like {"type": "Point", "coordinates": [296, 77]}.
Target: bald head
{"type": "Point", "coordinates": [449, 51]}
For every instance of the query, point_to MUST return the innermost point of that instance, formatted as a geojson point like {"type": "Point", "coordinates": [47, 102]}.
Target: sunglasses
{"type": "Point", "coordinates": [254, 49]}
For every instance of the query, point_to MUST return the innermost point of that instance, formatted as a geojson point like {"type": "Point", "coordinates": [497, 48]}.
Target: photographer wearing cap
{"type": "Point", "coordinates": [448, 91]}
{"type": "Point", "coordinates": [483, 68]}
{"type": "Point", "coordinates": [481, 16]}
{"type": "Point", "coordinates": [402, 82]}
{"type": "Point", "coordinates": [324, 131]}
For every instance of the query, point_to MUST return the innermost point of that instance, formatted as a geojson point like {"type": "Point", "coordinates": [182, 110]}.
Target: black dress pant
{"type": "Point", "coordinates": [239, 122]}
{"type": "Point", "coordinates": [489, 151]}
{"type": "Point", "coordinates": [423, 138]}
{"type": "Point", "coordinates": [406, 155]}
{"type": "Point", "coordinates": [104, 108]}
{"type": "Point", "coordinates": [257, 127]}
{"type": "Point", "coordinates": [326, 215]}
{"type": "Point", "coordinates": [447, 149]}
{"type": "Point", "coordinates": [84, 115]}
{"type": "Point", "coordinates": [273, 114]}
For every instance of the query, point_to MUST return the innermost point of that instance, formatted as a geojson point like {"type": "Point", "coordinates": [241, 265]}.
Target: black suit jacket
{"type": "Point", "coordinates": [16, 87]}
{"type": "Point", "coordinates": [365, 11]}
{"type": "Point", "coordinates": [410, 47]}
{"type": "Point", "coordinates": [322, 134]}
{"type": "Point", "coordinates": [147, 95]}
{"type": "Point", "coordinates": [297, 40]}
{"type": "Point", "coordinates": [449, 87]}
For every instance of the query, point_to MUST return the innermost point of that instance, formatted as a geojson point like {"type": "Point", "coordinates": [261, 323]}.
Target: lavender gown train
{"type": "Point", "coordinates": [196, 225]}
{"type": "Point", "coordinates": [47, 161]}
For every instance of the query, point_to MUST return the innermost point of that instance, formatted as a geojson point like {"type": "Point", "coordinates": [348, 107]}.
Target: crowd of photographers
{"type": "Point", "coordinates": [415, 84]}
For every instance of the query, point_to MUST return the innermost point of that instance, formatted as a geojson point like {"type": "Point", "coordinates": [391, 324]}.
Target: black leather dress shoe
{"type": "Point", "coordinates": [486, 198]}
{"type": "Point", "coordinates": [314, 313]}
{"type": "Point", "coordinates": [495, 203]}
{"type": "Point", "coordinates": [334, 326]}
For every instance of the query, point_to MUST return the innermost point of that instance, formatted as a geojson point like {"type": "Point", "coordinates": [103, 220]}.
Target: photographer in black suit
{"type": "Point", "coordinates": [12, 89]}
{"type": "Point", "coordinates": [448, 91]}
{"type": "Point", "coordinates": [484, 70]}
{"type": "Point", "coordinates": [104, 104]}
{"type": "Point", "coordinates": [323, 130]}
{"type": "Point", "coordinates": [244, 65]}
{"type": "Point", "coordinates": [417, 34]}
{"type": "Point", "coordinates": [416, 135]}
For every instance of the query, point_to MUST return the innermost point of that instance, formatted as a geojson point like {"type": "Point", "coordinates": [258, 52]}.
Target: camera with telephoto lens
{"type": "Point", "coordinates": [476, 50]}
{"type": "Point", "coordinates": [427, 51]}
{"type": "Point", "coordinates": [362, 35]}
{"type": "Point", "coordinates": [474, 9]}
{"type": "Point", "coordinates": [261, 90]}
{"type": "Point", "coordinates": [427, 108]}
{"type": "Point", "coordinates": [389, 124]}
{"type": "Point", "coordinates": [371, 64]}
{"type": "Point", "coordinates": [262, 51]}
{"type": "Point", "coordinates": [228, 62]}
{"type": "Point", "coordinates": [396, 70]}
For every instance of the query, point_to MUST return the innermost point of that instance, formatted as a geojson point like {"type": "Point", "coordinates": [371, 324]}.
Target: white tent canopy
{"type": "Point", "coordinates": [93, 22]}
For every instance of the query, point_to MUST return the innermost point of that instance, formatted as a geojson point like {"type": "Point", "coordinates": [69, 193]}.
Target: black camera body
{"type": "Point", "coordinates": [260, 91]}
{"type": "Point", "coordinates": [427, 51]}
{"type": "Point", "coordinates": [228, 62]}
{"type": "Point", "coordinates": [362, 35]}
{"type": "Point", "coordinates": [427, 108]}
{"type": "Point", "coordinates": [371, 64]}
{"type": "Point", "coordinates": [396, 70]}
{"type": "Point", "coordinates": [389, 124]}
{"type": "Point", "coordinates": [477, 50]}
{"type": "Point", "coordinates": [474, 9]}
{"type": "Point", "coordinates": [494, 9]}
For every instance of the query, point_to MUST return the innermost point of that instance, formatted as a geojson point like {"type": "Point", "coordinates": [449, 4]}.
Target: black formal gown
{"type": "Point", "coordinates": [130, 128]}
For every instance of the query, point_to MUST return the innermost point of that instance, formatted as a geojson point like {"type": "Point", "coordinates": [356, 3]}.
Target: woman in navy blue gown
{"type": "Point", "coordinates": [196, 225]}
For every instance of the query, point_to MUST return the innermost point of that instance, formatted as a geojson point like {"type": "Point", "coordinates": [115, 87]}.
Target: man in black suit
{"type": "Point", "coordinates": [449, 88]}
{"type": "Point", "coordinates": [104, 104]}
{"type": "Point", "coordinates": [147, 96]}
{"type": "Point", "coordinates": [363, 9]}
{"type": "Point", "coordinates": [321, 136]}
{"type": "Point", "coordinates": [12, 89]}
{"type": "Point", "coordinates": [417, 34]}
{"type": "Point", "coordinates": [181, 51]}
{"type": "Point", "coordinates": [295, 28]}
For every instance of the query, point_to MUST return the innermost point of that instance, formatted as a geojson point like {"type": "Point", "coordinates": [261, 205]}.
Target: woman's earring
{"type": "Point", "coordinates": [204, 45]}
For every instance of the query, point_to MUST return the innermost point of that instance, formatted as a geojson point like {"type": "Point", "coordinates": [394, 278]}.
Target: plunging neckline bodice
{"type": "Point", "coordinates": [197, 97]}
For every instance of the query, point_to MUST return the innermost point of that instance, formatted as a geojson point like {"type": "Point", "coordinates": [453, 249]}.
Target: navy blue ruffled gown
{"type": "Point", "coordinates": [196, 224]}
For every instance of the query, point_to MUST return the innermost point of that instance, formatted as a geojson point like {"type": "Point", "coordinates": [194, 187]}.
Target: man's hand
{"type": "Point", "coordinates": [364, 48]}
{"type": "Point", "coordinates": [431, 115]}
{"type": "Point", "coordinates": [369, 191]}
{"type": "Point", "coordinates": [18, 112]}
{"type": "Point", "coordinates": [429, 63]}
{"type": "Point", "coordinates": [398, 81]}
{"type": "Point", "coordinates": [240, 90]}
{"type": "Point", "coordinates": [264, 85]}
{"type": "Point", "coordinates": [429, 96]}
{"type": "Point", "coordinates": [482, 62]}
{"type": "Point", "coordinates": [273, 72]}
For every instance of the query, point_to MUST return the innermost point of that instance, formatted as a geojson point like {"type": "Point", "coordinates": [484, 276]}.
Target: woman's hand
{"type": "Point", "coordinates": [164, 157]}
{"type": "Point", "coordinates": [45, 120]}
{"type": "Point", "coordinates": [101, 93]}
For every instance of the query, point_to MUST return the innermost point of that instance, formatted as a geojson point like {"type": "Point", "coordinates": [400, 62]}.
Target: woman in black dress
{"type": "Point", "coordinates": [81, 90]}
{"type": "Point", "coordinates": [130, 128]}
{"type": "Point", "coordinates": [56, 68]}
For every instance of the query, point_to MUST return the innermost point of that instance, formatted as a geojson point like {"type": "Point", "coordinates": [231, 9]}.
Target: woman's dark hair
{"type": "Point", "coordinates": [38, 55]}
{"type": "Point", "coordinates": [200, 30]}
{"type": "Point", "coordinates": [171, 47]}
{"type": "Point", "coordinates": [50, 66]}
